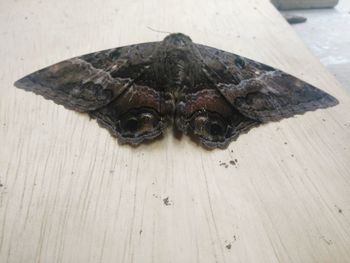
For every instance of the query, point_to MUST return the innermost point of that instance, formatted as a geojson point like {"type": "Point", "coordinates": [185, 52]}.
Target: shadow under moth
{"type": "Point", "coordinates": [137, 91]}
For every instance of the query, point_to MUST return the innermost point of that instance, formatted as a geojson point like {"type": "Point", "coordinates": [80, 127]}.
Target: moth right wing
{"type": "Point", "coordinates": [259, 91]}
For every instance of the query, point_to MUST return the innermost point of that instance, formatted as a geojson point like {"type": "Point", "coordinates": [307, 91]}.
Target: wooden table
{"type": "Point", "coordinates": [70, 193]}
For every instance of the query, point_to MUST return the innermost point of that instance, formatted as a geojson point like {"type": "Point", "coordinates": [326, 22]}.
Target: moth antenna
{"type": "Point", "coordinates": [159, 31]}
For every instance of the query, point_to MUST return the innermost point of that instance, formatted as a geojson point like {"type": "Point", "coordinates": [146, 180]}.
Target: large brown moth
{"type": "Point", "coordinates": [137, 91]}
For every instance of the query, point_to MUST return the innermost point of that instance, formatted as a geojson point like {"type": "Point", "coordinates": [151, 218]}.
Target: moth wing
{"type": "Point", "coordinates": [91, 81]}
{"type": "Point", "coordinates": [259, 91]}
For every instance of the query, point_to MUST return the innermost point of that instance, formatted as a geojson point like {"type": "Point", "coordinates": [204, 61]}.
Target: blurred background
{"type": "Point", "coordinates": [326, 31]}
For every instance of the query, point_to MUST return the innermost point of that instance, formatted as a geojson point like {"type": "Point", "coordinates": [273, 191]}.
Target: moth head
{"type": "Point", "coordinates": [178, 40]}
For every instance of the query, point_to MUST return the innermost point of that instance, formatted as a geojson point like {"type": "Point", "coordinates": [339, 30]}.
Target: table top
{"type": "Point", "coordinates": [70, 193]}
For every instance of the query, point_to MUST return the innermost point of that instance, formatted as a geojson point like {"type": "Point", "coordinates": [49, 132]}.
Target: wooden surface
{"type": "Point", "coordinates": [70, 193]}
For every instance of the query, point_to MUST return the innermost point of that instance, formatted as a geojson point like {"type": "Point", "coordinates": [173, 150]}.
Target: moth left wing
{"type": "Point", "coordinates": [91, 81]}
{"type": "Point", "coordinates": [258, 91]}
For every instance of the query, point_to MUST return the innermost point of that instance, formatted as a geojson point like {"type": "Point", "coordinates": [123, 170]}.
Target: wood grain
{"type": "Point", "coordinates": [70, 193]}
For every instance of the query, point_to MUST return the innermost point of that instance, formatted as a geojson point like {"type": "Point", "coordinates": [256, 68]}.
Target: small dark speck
{"type": "Point", "coordinates": [25, 17]}
{"type": "Point", "coordinates": [4, 124]}
{"type": "Point", "coordinates": [1, 185]}
{"type": "Point", "coordinates": [285, 143]}
{"type": "Point", "coordinates": [111, 171]}
{"type": "Point", "coordinates": [72, 172]}
{"type": "Point", "coordinates": [140, 232]}
{"type": "Point", "coordinates": [328, 241]}
{"type": "Point", "coordinates": [166, 201]}
{"type": "Point", "coordinates": [231, 151]}
{"type": "Point", "coordinates": [323, 119]}
{"type": "Point", "coordinates": [21, 59]}
{"type": "Point", "coordinates": [228, 246]}
{"type": "Point", "coordinates": [233, 162]}
{"type": "Point", "coordinates": [292, 155]}
{"type": "Point", "coordinates": [223, 164]}
{"type": "Point", "coordinates": [42, 123]}
{"type": "Point", "coordinates": [340, 211]}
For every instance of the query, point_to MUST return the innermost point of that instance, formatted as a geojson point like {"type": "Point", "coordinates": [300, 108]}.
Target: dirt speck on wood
{"type": "Point", "coordinates": [166, 201]}
{"type": "Point", "coordinates": [223, 164]}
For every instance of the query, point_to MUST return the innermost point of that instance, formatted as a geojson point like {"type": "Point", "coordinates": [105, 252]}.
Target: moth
{"type": "Point", "coordinates": [137, 91]}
